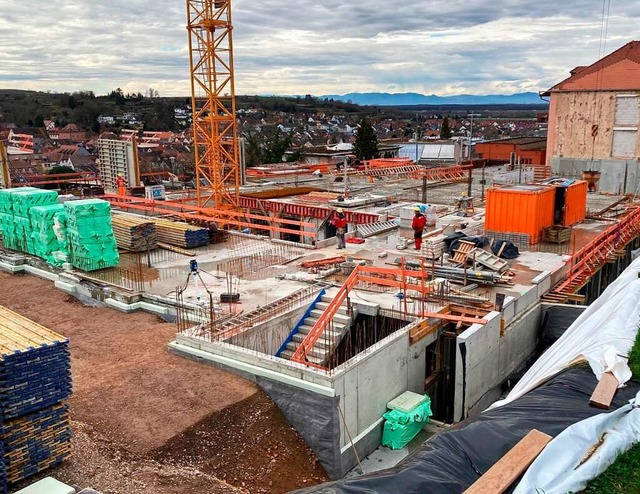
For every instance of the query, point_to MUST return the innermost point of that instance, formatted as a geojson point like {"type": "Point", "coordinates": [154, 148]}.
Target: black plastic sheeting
{"type": "Point", "coordinates": [452, 461]}
{"type": "Point", "coordinates": [314, 416]}
{"type": "Point", "coordinates": [510, 251]}
{"type": "Point", "coordinates": [556, 321]}
{"type": "Point", "coordinates": [453, 241]}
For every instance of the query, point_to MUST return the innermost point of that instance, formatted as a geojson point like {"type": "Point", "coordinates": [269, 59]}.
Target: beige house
{"type": "Point", "coordinates": [594, 121]}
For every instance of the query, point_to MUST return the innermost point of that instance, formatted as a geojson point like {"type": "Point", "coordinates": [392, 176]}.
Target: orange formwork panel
{"type": "Point", "coordinates": [575, 202]}
{"type": "Point", "coordinates": [524, 209]}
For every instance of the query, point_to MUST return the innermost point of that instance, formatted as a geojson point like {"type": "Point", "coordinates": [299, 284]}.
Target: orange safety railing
{"type": "Point", "coordinates": [377, 275]}
{"type": "Point", "coordinates": [593, 255]}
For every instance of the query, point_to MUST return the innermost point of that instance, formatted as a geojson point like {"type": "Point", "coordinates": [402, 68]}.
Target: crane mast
{"type": "Point", "coordinates": [217, 164]}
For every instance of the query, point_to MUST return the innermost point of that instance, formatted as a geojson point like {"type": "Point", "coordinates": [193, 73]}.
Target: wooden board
{"type": "Point", "coordinates": [605, 391]}
{"type": "Point", "coordinates": [501, 475]}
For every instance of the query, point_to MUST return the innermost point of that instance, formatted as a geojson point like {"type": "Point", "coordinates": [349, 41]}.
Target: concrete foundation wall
{"type": "Point", "coordinates": [368, 382]}
{"type": "Point", "coordinates": [484, 359]}
{"type": "Point", "coordinates": [617, 176]}
{"type": "Point", "coordinates": [269, 336]}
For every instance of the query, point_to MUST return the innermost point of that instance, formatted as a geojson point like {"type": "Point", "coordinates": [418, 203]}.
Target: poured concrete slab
{"type": "Point", "coordinates": [48, 485]}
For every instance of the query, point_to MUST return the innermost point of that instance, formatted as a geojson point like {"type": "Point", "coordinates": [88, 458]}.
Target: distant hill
{"type": "Point", "coordinates": [414, 99]}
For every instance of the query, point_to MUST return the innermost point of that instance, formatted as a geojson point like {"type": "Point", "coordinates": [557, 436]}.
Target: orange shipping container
{"type": "Point", "coordinates": [524, 209]}
{"type": "Point", "coordinates": [575, 202]}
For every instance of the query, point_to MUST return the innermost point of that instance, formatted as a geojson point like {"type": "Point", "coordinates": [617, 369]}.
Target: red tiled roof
{"type": "Point", "coordinates": [619, 70]}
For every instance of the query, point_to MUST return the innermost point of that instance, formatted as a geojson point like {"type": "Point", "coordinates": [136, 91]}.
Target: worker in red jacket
{"type": "Point", "coordinates": [418, 226]}
{"type": "Point", "coordinates": [340, 222]}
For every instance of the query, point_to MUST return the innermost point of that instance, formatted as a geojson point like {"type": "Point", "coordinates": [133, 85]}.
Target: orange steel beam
{"type": "Point", "coordinates": [218, 215]}
{"type": "Point", "coordinates": [213, 103]}
{"type": "Point", "coordinates": [153, 208]}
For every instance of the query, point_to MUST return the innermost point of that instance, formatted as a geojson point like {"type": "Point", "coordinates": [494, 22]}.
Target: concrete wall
{"type": "Point", "coordinates": [366, 383]}
{"type": "Point", "coordinates": [269, 336]}
{"type": "Point", "coordinates": [617, 176]}
{"type": "Point", "coordinates": [484, 359]}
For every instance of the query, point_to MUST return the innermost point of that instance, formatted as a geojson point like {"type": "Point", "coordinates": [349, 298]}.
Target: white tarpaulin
{"type": "Point", "coordinates": [582, 452]}
{"type": "Point", "coordinates": [603, 334]}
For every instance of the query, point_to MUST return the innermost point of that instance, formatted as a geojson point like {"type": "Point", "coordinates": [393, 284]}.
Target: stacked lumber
{"type": "Point", "coordinates": [134, 233]}
{"type": "Point", "coordinates": [35, 383]}
{"type": "Point", "coordinates": [34, 442]}
{"type": "Point", "coordinates": [180, 234]}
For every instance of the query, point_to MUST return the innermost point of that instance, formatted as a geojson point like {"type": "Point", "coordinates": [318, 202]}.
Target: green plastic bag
{"type": "Point", "coordinates": [401, 427]}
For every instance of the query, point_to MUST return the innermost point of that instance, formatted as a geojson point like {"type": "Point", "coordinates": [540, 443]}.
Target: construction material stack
{"type": "Point", "coordinates": [35, 385]}
{"type": "Point", "coordinates": [134, 233]}
{"type": "Point", "coordinates": [6, 217]}
{"type": "Point", "coordinates": [18, 236]}
{"type": "Point", "coordinates": [92, 245]}
{"type": "Point", "coordinates": [181, 234]}
{"type": "Point", "coordinates": [48, 236]}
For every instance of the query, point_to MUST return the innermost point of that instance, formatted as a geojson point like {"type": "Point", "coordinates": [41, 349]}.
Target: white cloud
{"type": "Point", "coordinates": [304, 46]}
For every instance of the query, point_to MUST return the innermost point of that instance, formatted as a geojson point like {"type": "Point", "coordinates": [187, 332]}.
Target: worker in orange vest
{"type": "Point", "coordinates": [418, 224]}
{"type": "Point", "coordinates": [121, 185]}
{"type": "Point", "coordinates": [340, 222]}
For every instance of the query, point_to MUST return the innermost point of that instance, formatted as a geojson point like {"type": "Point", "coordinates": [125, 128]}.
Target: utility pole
{"type": "Point", "coordinates": [424, 175]}
{"type": "Point", "coordinates": [471, 134]}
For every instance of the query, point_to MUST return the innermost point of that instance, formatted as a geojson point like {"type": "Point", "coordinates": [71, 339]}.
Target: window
{"type": "Point", "coordinates": [627, 120]}
{"type": "Point", "coordinates": [627, 110]}
{"type": "Point", "coordinates": [624, 143]}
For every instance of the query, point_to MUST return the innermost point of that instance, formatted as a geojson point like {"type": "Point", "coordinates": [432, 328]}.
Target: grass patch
{"type": "Point", "coordinates": [623, 477]}
{"type": "Point", "coordinates": [634, 358]}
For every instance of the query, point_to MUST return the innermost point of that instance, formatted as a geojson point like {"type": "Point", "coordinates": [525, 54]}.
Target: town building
{"type": "Point", "coordinates": [527, 151]}
{"type": "Point", "coordinates": [117, 158]}
{"type": "Point", "coordinates": [71, 133]}
{"type": "Point", "coordinates": [594, 119]}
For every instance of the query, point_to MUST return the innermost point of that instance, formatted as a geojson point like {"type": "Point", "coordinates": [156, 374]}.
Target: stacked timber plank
{"type": "Point", "coordinates": [35, 384]}
{"type": "Point", "coordinates": [134, 233]}
{"type": "Point", "coordinates": [180, 234]}
{"type": "Point", "coordinates": [92, 245]}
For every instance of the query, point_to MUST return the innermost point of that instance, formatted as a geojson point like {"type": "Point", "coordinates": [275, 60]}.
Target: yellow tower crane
{"type": "Point", "coordinates": [217, 166]}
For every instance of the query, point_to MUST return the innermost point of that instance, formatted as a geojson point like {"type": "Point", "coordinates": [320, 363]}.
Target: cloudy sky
{"type": "Point", "coordinates": [312, 46]}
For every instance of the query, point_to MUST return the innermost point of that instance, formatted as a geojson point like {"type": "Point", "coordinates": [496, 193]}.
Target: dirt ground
{"type": "Point", "coordinates": [148, 421]}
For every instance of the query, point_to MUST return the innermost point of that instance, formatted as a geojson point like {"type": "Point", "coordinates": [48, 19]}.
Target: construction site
{"type": "Point", "coordinates": [251, 334]}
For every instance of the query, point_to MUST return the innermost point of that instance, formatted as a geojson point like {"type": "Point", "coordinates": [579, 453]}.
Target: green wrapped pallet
{"type": "Point", "coordinates": [87, 208]}
{"type": "Point", "coordinates": [91, 243]}
{"type": "Point", "coordinates": [401, 427]}
{"type": "Point", "coordinates": [24, 200]}
{"type": "Point", "coordinates": [42, 216]}
{"type": "Point", "coordinates": [6, 204]}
